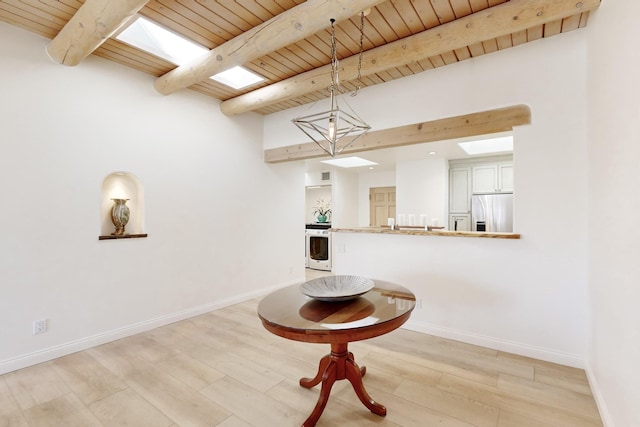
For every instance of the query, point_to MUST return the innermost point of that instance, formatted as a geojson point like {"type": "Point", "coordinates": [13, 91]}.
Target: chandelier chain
{"type": "Point", "coordinates": [360, 55]}
{"type": "Point", "coordinates": [335, 79]}
{"type": "Point", "coordinates": [335, 129]}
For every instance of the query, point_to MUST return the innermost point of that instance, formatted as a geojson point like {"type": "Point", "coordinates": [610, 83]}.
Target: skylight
{"type": "Point", "coordinates": [237, 78]}
{"type": "Point", "coordinates": [487, 146]}
{"type": "Point", "coordinates": [151, 37]}
{"type": "Point", "coordinates": [349, 162]}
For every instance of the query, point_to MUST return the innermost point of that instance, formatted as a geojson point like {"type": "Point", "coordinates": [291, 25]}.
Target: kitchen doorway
{"type": "Point", "coordinates": [382, 205]}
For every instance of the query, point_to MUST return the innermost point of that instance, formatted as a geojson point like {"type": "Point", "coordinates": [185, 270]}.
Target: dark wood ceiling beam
{"type": "Point", "coordinates": [481, 123]}
{"type": "Point", "coordinates": [93, 23]}
{"type": "Point", "coordinates": [282, 30]}
{"type": "Point", "coordinates": [497, 21]}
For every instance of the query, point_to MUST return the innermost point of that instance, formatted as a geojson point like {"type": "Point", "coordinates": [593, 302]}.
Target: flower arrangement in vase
{"type": "Point", "coordinates": [322, 210]}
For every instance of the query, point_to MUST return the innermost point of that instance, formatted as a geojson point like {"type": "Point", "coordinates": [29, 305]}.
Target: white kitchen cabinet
{"type": "Point", "coordinates": [505, 177]}
{"type": "Point", "coordinates": [485, 179]}
{"type": "Point", "coordinates": [487, 175]}
{"type": "Point", "coordinates": [459, 190]}
{"type": "Point", "coordinates": [460, 222]}
{"type": "Point", "coordinates": [493, 178]}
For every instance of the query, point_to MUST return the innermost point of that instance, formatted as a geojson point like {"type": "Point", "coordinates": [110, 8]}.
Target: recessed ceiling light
{"type": "Point", "coordinates": [486, 146]}
{"type": "Point", "coordinates": [349, 162]}
{"type": "Point", "coordinates": [237, 77]}
{"type": "Point", "coordinates": [432, 153]}
{"type": "Point", "coordinates": [151, 37]}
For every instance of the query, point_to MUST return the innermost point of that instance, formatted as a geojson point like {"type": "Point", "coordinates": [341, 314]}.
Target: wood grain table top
{"type": "Point", "coordinates": [289, 313]}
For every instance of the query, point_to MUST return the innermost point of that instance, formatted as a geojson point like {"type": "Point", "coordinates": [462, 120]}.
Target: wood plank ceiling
{"type": "Point", "coordinates": [427, 34]}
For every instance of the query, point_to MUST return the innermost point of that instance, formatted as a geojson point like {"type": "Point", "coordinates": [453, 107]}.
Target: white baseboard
{"type": "Point", "coordinates": [50, 353]}
{"type": "Point", "coordinates": [605, 415]}
{"type": "Point", "coordinates": [54, 352]}
{"type": "Point", "coordinates": [521, 349]}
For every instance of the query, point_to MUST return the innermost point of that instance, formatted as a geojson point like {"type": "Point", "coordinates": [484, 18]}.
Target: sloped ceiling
{"type": "Point", "coordinates": [288, 41]}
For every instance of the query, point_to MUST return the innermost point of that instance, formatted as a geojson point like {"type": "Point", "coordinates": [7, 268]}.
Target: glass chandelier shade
{"type": "Point", "coordinates": [335, 129]}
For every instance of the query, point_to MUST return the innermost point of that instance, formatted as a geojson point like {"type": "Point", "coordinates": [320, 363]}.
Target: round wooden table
{"type": "Point", "coordinates": [290, 314]}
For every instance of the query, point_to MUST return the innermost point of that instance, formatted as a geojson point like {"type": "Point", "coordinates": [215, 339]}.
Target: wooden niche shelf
{"type": "Point", "coordinates": [124, 236]}
{"type": "Point", "coordinates": [121, 206]}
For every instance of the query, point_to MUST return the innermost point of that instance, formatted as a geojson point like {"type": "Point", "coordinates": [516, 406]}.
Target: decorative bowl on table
{"type": "Point", "coordinates": [336, 288]}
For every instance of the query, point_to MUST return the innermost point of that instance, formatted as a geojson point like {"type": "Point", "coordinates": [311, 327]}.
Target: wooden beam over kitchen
{"type": "Point", "coordinates": [92, 24]}
{"type": "Point", "coordinates": [497, 21]}
{"type": "Point", "coordinates": [468, 125]}
{"type": "Point", "coordinates": [280, 31]}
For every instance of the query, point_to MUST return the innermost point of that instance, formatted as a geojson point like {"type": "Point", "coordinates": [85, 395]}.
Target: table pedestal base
{"type": "Point", "coordinates": [339, 365]}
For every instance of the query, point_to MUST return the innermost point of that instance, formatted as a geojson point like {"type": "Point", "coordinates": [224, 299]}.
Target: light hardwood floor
{"type": "Point", "coordinates": [223, 369]}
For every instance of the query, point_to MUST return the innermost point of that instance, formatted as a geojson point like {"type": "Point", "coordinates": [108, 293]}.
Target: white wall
{"type": "Point", "coordinates": [313, 196]}
{"type": "Point", "coordinates": [528, 295]}
{"type": "Point", "coordinates": [345, 198]}
{"type": "Point", "coordinates": [614, 205]}
{"type": "Point", "coordinates": [422, 190]}
{"type": "Point", "coordinates": [62, 131]}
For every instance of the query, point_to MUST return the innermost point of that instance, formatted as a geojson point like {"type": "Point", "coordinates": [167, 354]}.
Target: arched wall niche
{"type": "Point", "coordinates": [122, 185]}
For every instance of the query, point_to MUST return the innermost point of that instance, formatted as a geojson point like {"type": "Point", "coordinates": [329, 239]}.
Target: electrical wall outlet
{"type": "Point", "coordinates": [39, 326]}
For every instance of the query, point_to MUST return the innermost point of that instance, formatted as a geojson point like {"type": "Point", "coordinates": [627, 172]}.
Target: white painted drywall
{"type": "Point", "coordinates": [222, 224]}
{"type": "Point", "coordinates": [528, 295]}
{"type": "Point", "coordinates": [345, 198]}
{"type": "Point", "coordinates": [614, 206]}
{"type": "Point", "coordinates": [422, 190]}
{"type": "Point", "coordinates": [313, 197]}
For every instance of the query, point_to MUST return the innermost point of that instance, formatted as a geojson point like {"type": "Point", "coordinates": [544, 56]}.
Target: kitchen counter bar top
{"type": "Point", "coordinates": [423, 232]}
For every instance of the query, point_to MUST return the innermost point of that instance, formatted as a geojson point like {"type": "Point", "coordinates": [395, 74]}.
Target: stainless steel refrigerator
{"type": "Point", "coordinates": [493, 212]}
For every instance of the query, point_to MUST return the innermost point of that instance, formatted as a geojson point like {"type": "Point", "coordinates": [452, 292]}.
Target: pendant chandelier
{"type": "Point", "coordinates": [335, 129]}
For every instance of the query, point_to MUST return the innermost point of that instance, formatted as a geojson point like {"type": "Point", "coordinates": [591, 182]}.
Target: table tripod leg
{"type": "Point", "coordinates": [328, 378]}
{"type": "Point", "coordinates": [363, 369]}
{"type": "Point", "coordinates": [354, 375]}
{"type": "Point", "coordinates": [312, 382]}
{"type": "Point", "coordinates": [339, 365]}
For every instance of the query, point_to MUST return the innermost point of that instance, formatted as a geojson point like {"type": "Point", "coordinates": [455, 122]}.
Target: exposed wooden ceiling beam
{"type": "Point", "coordinates": [482, 123]}
{"type": "Point", "coordinates": [500, 20]}
{"type": "Point", "coordinates": [282, 30]}
{"type": "Point", "coordinates": [92, 24]}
